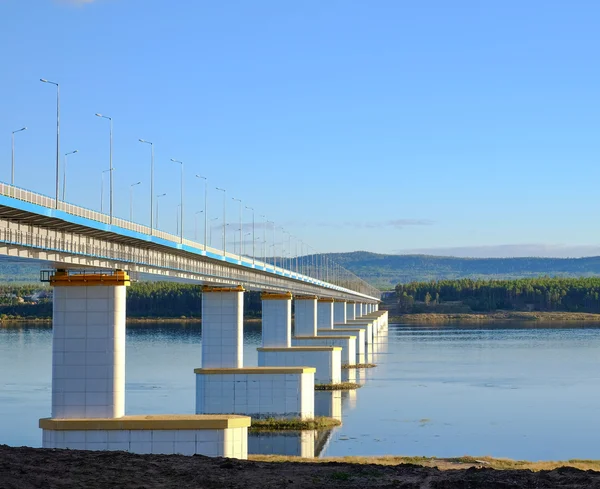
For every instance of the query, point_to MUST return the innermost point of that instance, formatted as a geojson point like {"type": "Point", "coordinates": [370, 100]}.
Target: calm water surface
{"type": "Point", "coordinates": [507, 391]}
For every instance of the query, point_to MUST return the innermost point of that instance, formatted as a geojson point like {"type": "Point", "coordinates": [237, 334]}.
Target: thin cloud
{"type": "Point", "coordinates": [392, 223]}
{"type": "Point", "coordinates": [77, 3]}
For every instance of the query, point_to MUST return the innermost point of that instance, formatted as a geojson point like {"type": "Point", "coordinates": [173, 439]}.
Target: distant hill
{"type": "Point", "coordinates": [20, 271]}
{"type": "Point", "coordinates": [385, 271]}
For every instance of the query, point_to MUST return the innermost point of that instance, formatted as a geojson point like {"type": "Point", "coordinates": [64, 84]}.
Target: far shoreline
{"type": "Point", "coordinates": [497, 316]}
{"type": "Point", "coordinates": [133, 320]}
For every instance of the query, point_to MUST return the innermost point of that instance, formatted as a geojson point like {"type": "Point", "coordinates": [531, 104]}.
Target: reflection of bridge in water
{"type": "Point", "coordinates": [306, 444]}
{"type": "Point", "coordinates": [312, 443]}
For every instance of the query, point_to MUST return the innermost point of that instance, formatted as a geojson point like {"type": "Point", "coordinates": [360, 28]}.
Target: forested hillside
{"type": "Point", "coordinates": [385, 271]}
{"type": "Point", "coordinates": [539, 294]}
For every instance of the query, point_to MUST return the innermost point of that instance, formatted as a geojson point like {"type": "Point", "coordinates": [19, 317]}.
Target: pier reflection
{"type": "Point", "coordinates": [349, 399]}
{"type": "Point", "coordinates": [329, 404]}
{"type": "Point", "coordinates": [290, 443]}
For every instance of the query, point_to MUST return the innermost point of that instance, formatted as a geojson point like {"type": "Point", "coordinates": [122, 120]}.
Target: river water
{"type": "Point", "coordinates": [507, 390]}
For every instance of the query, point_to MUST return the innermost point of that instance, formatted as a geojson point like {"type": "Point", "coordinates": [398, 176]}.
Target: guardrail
{"type": "Point", "coordinates": [351, 281]}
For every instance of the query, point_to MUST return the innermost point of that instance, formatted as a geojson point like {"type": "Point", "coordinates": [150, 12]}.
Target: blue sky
{"type": "Point", "coordinates": [464, 127]}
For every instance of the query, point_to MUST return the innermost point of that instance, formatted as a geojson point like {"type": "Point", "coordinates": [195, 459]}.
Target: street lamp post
{"type": "Point", "coordinates": [65, 173]}
{"type": "Point", "coordinates": [131, 200]}
{"type": "Point", "coordinates": [224, 224]}
{"type": "Point", "coordinates": [264, 240]}
{"type": "Point", "coordinates": [181, 163]}
{"type": "Point", "coordinates": [205, 207]}
{"type": "Point", "coordinates": [242, 248]}
{"type": "Point", "coordinates": [57, 134]}
{"type": "Point", "coordinates": [102, 190]}
{"type": "Point", "coordinates": [196, 226]}
{"type": "Point", "coordinates": [253, 238]}
{"type": "Point", "coordinates": [157, 201]}
{"type": "Point", "coordinates": [274, 259]}
{"type": "Point", "coordinates": [12, 171]}
{"type": "Point", "coordinates": [151, 182]}
{"type": "Point", "coordinates": [110, 164]}
{"type": "Point", "coordinates": [240, 201]}
{"type": "Point", "coordinates": [210, 230]}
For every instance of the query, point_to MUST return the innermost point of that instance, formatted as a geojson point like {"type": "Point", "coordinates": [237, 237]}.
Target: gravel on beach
{"type": "Point", "coordinates": [25, 468]}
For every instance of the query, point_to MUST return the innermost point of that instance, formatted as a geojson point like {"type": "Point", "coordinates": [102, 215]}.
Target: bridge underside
{"type": "Point", "coordinates": [61, 244]}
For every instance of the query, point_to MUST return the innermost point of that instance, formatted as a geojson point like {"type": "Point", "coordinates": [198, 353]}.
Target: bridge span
{"type": "Point", "coordinates": [35, 226]}
{"type": "Point", "coordinates": [93, 258]}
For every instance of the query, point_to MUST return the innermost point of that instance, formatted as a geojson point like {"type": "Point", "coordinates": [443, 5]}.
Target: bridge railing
{"type": "Point", "coordinates": [349, 281]}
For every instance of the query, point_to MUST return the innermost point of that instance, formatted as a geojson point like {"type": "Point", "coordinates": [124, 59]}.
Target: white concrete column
{"type": "Point", "coordinates": [359, 309]}
{"type": "Point", "coordinates": [276, 320]}
{"type": "Point", "coordinates": [325, 313]}
{"type": "Point", "coordinates": [222, 327]}
{"type": "Point", "coordinates": [350, 310]}
{"type": "Point", "coordinates": [376, 307]}
{"type": "Point", "coordinates": [88, 345]}
{"type": "Point", "coordinates": [339, 311]}
{"type": "Point", "coordinates": [305, 319]}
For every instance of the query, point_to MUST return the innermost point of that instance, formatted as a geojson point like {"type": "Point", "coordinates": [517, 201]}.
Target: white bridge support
{"type": "Point", "coordinates": [325, 313]}
{"type": "Point", "coordinates": [326, 360]}
{"type": "Point", "coordinates": [359, 340]}
{"type": "Point", "coordinates": [223, 385]}
{"type": "Point", "coordinates": [88, 346]}
{"type": "Point", "coordinates": [305, 316]}
{"type": "Point", "coordinates": [88, 381]}
{"type": "Point", "coordinates": [339, 311]}
{"type": "Point", "coordinates": [222, 327]}
{"type": "Point", "coordinates": [305, 330]}
{"type": "Point", "coordinates": [350, 310]}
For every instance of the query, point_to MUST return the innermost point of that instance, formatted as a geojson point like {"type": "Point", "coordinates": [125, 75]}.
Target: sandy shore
{"type": "Point", "coordinates": [558, 317]}
{"type": "Point", "coordinates": [25, 468]}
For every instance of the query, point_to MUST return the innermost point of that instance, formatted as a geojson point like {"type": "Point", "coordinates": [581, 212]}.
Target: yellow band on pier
{"type": "Point", "coordinates": [212, 288]}
{"type": "Point", "coordinates": [62, 278]}
{"type": "Point", "coordinates": [276, 296]}
{"type": "Point", "coordinates": [150, 422]}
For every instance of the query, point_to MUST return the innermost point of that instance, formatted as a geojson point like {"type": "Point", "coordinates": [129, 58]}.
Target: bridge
{"type": "Point", "coordinates": [35, 226]}
{"type": "Point", "coordinates": [92, 257]}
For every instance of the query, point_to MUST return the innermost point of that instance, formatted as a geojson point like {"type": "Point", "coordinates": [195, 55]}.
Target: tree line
{"type": "Point", "coordinates": [144, 299]}
{"type": "Point", "coordinates": [540, 294]}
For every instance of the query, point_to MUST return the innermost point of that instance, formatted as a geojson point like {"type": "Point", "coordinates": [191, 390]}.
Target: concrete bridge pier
{"type": "Point", "coordinates": [223, 385]}
{"type": "Point", "coordinates": [339, 311]}
{"type": "Point", "coordinates": [350, 310]}
{"type": "Point", "coordinates": [88, 381]}
{"type": "Point", "coordinates": [325, 313]}
{"type": "Point", "coordinates": [305, 330]}
{"type": "Point", "coordinates": [277, 349]}
{"type": "Point", "coordinates": [325, 326]}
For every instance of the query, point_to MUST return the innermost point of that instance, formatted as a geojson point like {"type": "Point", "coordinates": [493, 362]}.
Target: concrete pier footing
{"type": "Point", "coordinates": [260, 392]}
{"type": "Point", "coordinates": [327, 360]}
{"type": "Point", "coordinates": [346, 342]}
{"type": "Point", "coordinates": [357, 333]}
{"type": "Point", "coordinates": [213, 436]}
{"type": "Point", "coordinates": [88, 380]}
{"type": "Point", "coordinates": [270, 390]}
